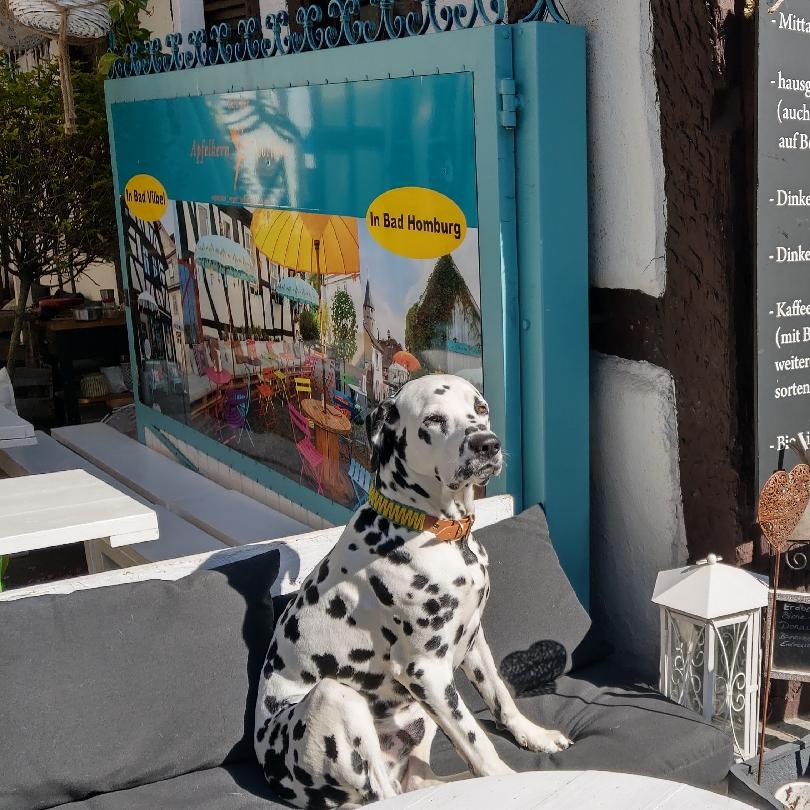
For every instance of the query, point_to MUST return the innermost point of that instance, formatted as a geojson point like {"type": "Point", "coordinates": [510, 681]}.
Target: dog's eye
{"type": "Point", "coordinates": [481, 408]}
{"type": "Point", "coordinates": [435, 419]}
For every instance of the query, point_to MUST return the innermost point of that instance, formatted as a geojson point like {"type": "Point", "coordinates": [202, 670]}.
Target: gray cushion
{"type": "Point", "coordinates": [614, 727]}
{"type": "Point", "coordinates": [232, 787]}
{"type": "Point", "coordinates": [112, 687]}
{"type": "Point", "coordinates": [533, 618]}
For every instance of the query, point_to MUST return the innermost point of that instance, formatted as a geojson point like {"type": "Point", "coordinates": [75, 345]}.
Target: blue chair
{"type": "Point", "coordinates": [361, 481]}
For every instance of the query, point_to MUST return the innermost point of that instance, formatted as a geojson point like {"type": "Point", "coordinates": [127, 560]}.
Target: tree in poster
{"type": "Point", "coordinates": [344, 326]}
{"type": "Point", "coordinates": [56, 190]}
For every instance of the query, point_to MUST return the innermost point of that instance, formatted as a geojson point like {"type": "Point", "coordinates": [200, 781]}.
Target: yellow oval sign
{"type": "Point", "coordinates": [418, 223]}
{"type": "Point", "coordinates": [146, 197]}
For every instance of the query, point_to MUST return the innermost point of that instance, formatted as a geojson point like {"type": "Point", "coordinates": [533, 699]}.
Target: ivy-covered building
{"type": "Point", "coordinates": [443, 328]}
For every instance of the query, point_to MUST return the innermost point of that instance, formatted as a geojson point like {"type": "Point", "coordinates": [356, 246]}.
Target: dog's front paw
{"type": "Point", "coordinates": [546, 741]}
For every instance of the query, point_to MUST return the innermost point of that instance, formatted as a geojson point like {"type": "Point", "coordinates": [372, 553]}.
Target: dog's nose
{"type": "Point", "coordinates": [485, 443]}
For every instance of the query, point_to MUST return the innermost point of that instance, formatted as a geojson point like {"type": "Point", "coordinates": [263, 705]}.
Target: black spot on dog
{"type": "Point", "coordinates": [437, 622]}
{"type": "Point", "coordinates": [383, 524]}
{"type": "Point", "coordinates": [300, 603]}
{"type": "Point", "coordinates": [291, 629]}
{"type": "Point", "coordinates": [392, 414]}
{"type": "Point", "coordinates": [433, 643]}
{"type": "Point", "coordinates": [434, 588]}
{"type": "Point", "coordinates": [359, 655]}
{"type": "Point", "coordinates": [415, 731]}
{"type": "Point", "coordinates": [343, 571]}
{"type": "Point", "coordinates": [497, 710]}
{"type": "Point", "coordinates": [330, 747]}
{"type": "Point", "coordinates": [303, 777]}
{"type": "Point", "coordinates": [459, 634]}
{"type": "Point", "coordinates": [451, 696]}
{"type": "Point", "coordinates": [271, 704]}
{"type": "Point", "coordinates": [467, 553]}
{"type": "Point", "coordinates": [418, 691]}
{"type": "Point", "coordinates": [350, 620]}
{"type": "Point", "coordinates": [275, 769]}
{"type": "Point", "coordinates": [372, 538]}
{"type": "Point", "coordinates": [413, 672]}
{"type": "Point", "coordinates": [323, 571]}
{"type": "Point", "coordinates": [327, 664]}
{"type": "Point", "coordinates": [399, 557]}
{"type": "Point", "coordinates": [442, 651]}
{"type": "Point", "coordinates": [352, 547]}
{"type": "Point", "coordinates": [419, 582]}
{"type": "Point", "coordinates": [365, 519]}
{"type": "Point", "coordinates": [357, 762]}
{"type": "Point", "coordinates": [299, 729]}
{"type": "Point", "coordinates": [382, 593]}
{"type": "Point", "coordinates": [439, 391]}
{"type": "Point", "coordinates": [423, 435]}
{"type": "Point", "coordinates": [397, 687]}
{"type": "Point", "coordinates": [345, 673]}
{"type": "Point", "coordinates": [390, 637]}
{"type": "Point", "coordinates": [407, 628]}
{"type": "Point", "coordinates": [392, 544]}
{"type": "Point", "coordinates": [312, 594]}
{"type": "Point", "coordinates": [471, 736]}
{"type": "Point", "coordinates": [308, 677]}
{"type": "Point", "coordinates": [356, 742]}
{"type": "Point", "coordinates": [278, 663]}
{"type": "Point", "coordinates": [397, 620]}
{"type": "Point", "coordinates": [370, 681]}
{"type": "Point", "coordinates": [422, 622]}
{"type": "Point", "coordinates": [459, 581]}
{"type": "Point", "coordinates": [326, 796]}
{"type": "Point", "coordinates": [263, 730]}
{"type": "Point", "coordinates": [336, 608]}
{"type": "Point", "coordinates": [432, 606]}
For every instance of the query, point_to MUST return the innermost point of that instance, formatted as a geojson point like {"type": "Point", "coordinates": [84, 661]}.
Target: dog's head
{"type": "Point", "coordinates": [436, 426]}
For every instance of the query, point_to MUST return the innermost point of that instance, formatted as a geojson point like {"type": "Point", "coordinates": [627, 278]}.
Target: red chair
{"type": "Point", "coordinates": [311, 459]}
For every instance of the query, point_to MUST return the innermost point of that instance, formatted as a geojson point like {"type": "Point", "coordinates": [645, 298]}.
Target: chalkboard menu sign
{"type": "Point", "coordinates": [783, 228]}
{"type": "Point", "coordinates": [791, 649]}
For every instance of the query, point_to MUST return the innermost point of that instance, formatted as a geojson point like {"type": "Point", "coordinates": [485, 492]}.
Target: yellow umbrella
{"type": "Point", "coordinates": [309, 243]}
{"type": "Point", "coordinates": [323, 244]}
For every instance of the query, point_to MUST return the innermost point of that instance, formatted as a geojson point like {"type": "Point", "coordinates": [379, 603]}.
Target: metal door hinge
{"type": "Point", "coordinates": [510, 103]}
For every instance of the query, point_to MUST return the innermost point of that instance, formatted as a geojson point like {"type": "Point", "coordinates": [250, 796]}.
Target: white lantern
{"type": "Point", "coordinates": [710, 645]}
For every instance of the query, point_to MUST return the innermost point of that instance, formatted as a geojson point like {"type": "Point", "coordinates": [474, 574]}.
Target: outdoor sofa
{"type": "Point", "coordinates": [139, 695]}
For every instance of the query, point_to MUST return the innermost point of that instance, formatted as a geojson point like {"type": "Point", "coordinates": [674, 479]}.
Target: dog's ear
{"type": "Point", "coordinates": [385, 412]}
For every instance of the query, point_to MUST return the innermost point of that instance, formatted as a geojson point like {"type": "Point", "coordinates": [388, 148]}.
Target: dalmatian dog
{"type": "Point", "coordinates": [360, 670]}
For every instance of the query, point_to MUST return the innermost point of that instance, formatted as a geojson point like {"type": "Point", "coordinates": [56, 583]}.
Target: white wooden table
{"type": "Point", "coordinates": [14, 431]}
{"type": "Point", "coordinates": [562, 790]}
{"type": "Point", "coordinates": [41, 511]}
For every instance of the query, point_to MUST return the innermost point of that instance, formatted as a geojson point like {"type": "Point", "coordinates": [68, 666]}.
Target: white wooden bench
{"type": "Point", "coordinates": [230, 516]}
{"type": "Point", "coordinates": [299, 556]}
{"type": "Point", "coordinates": [14, 431]}
{"type": "Point", "coordinates": [178, 537]}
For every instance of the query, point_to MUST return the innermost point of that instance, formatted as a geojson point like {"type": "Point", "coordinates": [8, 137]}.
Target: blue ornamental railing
{"type": "Point", "coordinates": [217, 46]}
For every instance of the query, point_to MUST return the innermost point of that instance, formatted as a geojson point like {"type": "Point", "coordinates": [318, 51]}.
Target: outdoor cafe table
{"type": "Point", "coordinates": [42, 511]}
{"type": "Point", "coordinates": [561, 790]}
{"type": "Point", "coordinates": [329, 424]}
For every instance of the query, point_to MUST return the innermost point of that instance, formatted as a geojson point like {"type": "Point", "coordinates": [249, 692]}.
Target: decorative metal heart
{"type": "Point", "coordinates": [782, 501]}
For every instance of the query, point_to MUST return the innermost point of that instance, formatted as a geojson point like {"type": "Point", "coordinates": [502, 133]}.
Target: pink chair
{"type": "Point", "coordinates": [311, 459]}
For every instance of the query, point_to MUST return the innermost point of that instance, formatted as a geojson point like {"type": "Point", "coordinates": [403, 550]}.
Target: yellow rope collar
{"type": "Point", "coordinates": [445, 529]}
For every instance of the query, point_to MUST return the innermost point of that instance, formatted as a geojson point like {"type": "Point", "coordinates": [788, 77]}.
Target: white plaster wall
{"type": "Point", "coordinates": [166, 16]}
{"type": "Point", "coordinates": [636, 510]}
{"type": "Point", "coordinates": [626, 169]}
